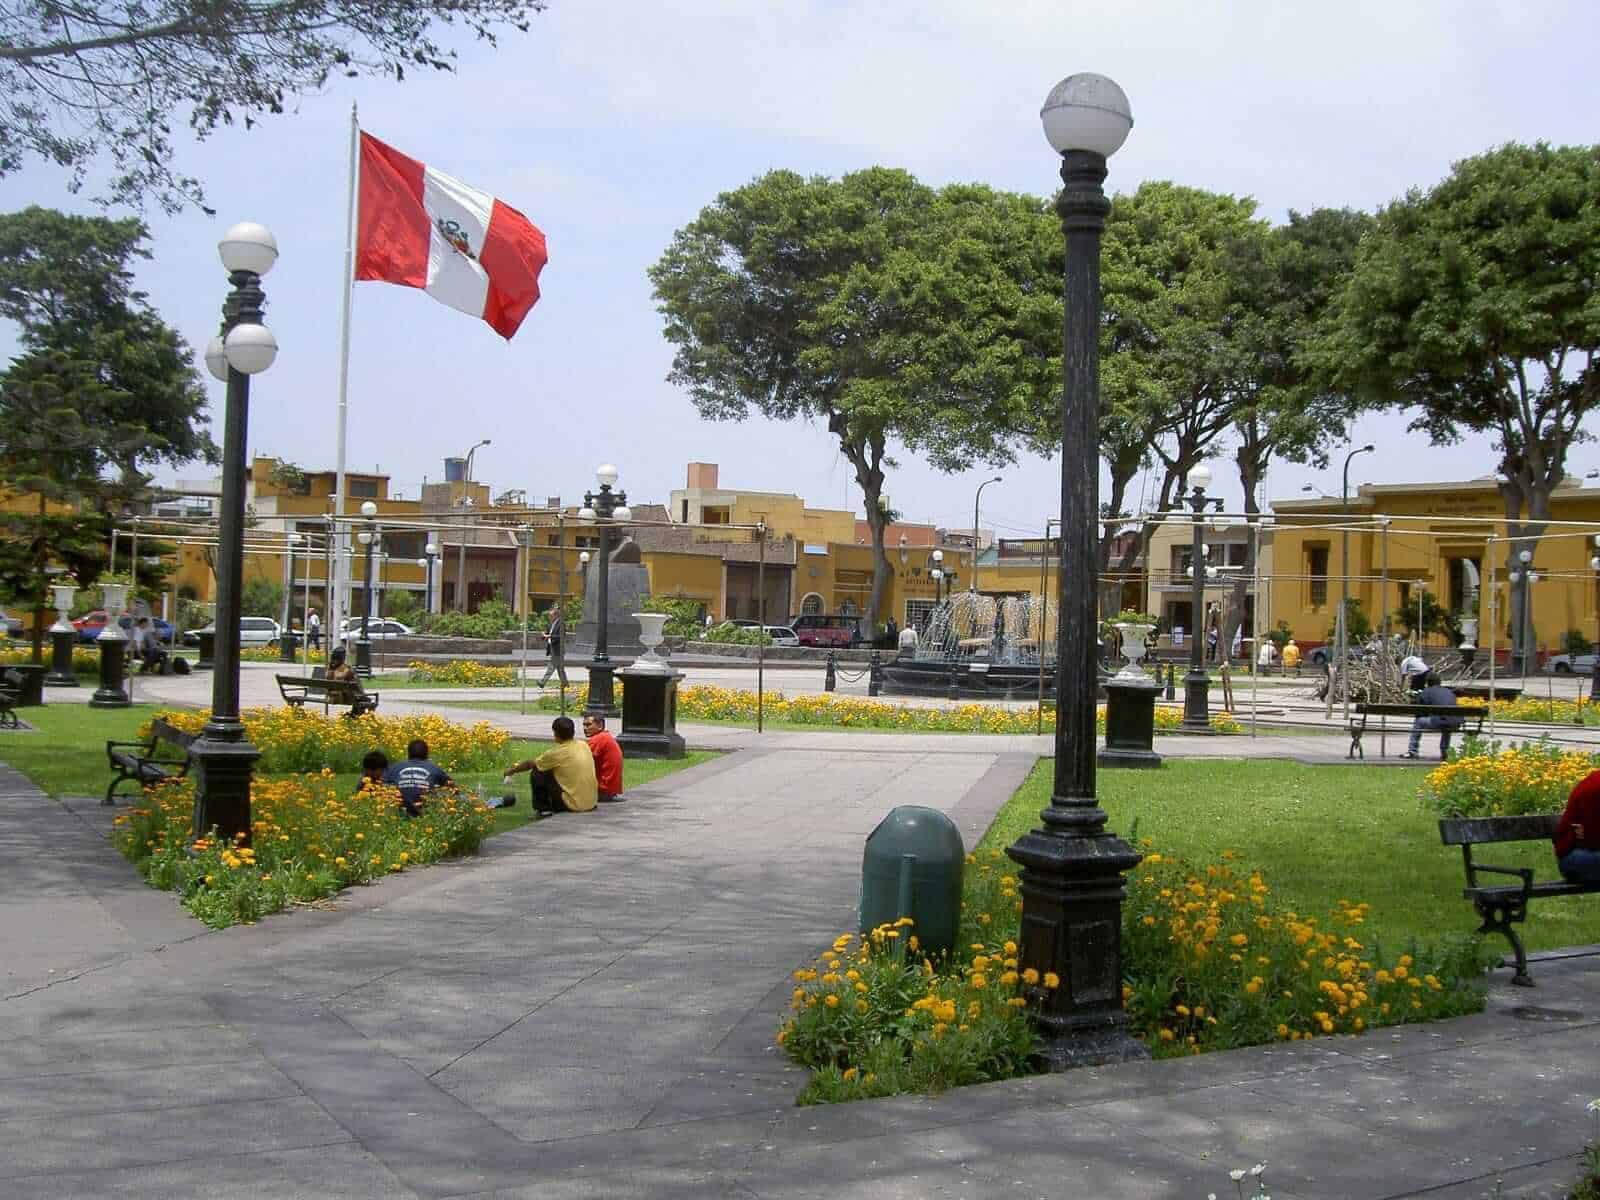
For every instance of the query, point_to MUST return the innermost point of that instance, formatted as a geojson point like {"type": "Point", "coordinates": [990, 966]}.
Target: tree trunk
{"type": "Point", "coordinates": [866, 456]}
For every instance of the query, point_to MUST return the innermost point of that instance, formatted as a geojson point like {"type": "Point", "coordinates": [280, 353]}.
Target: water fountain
{"type": "Point", "coordinates": [978, 646]}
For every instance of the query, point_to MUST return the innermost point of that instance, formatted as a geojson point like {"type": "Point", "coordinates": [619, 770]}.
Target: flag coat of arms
{"type": "Point", "coordinates": [421, 228]}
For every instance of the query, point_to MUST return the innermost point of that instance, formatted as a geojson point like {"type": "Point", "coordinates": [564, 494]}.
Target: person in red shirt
{"type": "Point", "coordinates": [1578, 833]}
{"type": "Point", "coordinates": [608, 759]}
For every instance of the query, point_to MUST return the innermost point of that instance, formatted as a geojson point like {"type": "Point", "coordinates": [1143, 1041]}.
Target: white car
{"type": "Point", "coordinates": [782, 635]}
{"type": "Point", "coordinates": [253, 631]}
{"type": "Point", "coordinates": [1568, 664]}
{"type": "Point", "coordinates": [379, 629]}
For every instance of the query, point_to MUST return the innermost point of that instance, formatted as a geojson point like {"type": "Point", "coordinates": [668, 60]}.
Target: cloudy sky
{"type": "Point", "coordinates": [612, 123]}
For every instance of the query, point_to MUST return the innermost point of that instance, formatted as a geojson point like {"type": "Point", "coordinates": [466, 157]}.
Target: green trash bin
{"type": "Point", "coordinates": [911, 867]}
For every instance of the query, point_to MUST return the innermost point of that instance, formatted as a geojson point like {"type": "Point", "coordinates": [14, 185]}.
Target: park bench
{"type": "Point", "coordinates": [1502, 905]}
{"type": "Point", "coordinates": [297, 689]}
{"type": "Point", "coordinates": [146, 762]}
{"type": "Point", "coordinates": [10, 695]}
{"type": "Point", "coordinates": [1471, 718]}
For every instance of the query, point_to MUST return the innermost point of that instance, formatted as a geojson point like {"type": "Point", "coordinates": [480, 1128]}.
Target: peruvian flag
{"type": "Point", "coordinates": [420, 228]}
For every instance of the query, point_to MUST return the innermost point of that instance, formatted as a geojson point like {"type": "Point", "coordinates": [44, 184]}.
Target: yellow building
{"type": "Point", "coordinates": [1448, 540]}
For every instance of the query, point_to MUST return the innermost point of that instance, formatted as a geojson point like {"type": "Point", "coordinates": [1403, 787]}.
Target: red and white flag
{"type": "Point", "coordinates": [421, 228]}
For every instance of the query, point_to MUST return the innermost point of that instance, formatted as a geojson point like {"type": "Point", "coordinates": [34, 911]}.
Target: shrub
{"type": "Point", "coordinates": [296, 740]}
{"type": "Point", "coordinates": [684, 617]}
{"type": "Point", "coordinates": [308, 840]}
{"type": "Point", "coordinates": [1487, 781]}
{"type": "Point", "coordinates": [492, 619]}
{"type": "Point", "coordinates": [737, 635]}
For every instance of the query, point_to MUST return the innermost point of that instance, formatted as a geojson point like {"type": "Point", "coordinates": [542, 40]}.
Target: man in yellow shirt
{"type": "Point", "coordinates": [563, 776]}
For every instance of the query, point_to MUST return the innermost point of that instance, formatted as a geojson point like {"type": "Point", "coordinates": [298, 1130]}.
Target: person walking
{"type": "Point", "coordinates": [314, 630]}
{"type": "Point", "coordinates": [556, 662]}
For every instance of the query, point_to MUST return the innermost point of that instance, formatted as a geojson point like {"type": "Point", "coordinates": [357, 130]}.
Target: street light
{"type": "Point", "coordinates": [1072, 885]}
{"type": "Point", "coordinates": [367, 537]}
{"type": "Point", "coordinates": [937, 574]}
{"type": "Point", "coordinates": [1594, 565]}
{"type": "Point", "coordinates": [1344, 586]}
{"type": "Point", "coordinates": [603, 507]}
{"type": "Point", "coordinates": [1197, 684]}
{"type": "Point", "coordinates": [1526, 577]}
{"type": "Point", "coordinates": [222, 756]}
{"type": "Point", "coordinates": [466, 503]}
{"type": "Point", "coordinates": [972, 584]}
{"type": "Point", "coordinates": [286, 640]}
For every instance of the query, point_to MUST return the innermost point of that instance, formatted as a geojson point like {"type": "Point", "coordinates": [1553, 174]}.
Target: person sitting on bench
{"type": "Point", "coordinates": [563, 776]}
{"type": "Point", "coordinates": [415, 777]}
{"type": "Point", "coordinates": [1434, 693]}
{"type": "Point", "coordinates": [1577, 838]}
{"type": "Point", "coordinates": [149, 648]}
{"type": "Point", "coordinates": [338, 669]}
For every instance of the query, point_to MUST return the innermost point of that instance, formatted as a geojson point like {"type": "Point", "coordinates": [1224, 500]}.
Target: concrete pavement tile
{"type": "Point", "coordinates": [1552, 1180]}
{"type": "Point", "coordinates": [125, 1139]}
{"type": "Point", "coordinates": [650, 1183]}
{"type": "Point", "coordinates": [104, 1091]}
{"type": "Point", "coordinates": [331, 1172]}
{"type": "Point", "coordinates": [131, 1050]}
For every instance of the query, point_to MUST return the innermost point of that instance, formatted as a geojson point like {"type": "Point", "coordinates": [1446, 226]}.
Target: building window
{"type": "Point", "coordinates": [1317, 570]}
{"type": "Point", "coordinates": [811, 605]}
{"type": "Point", "coordinates": [362, 489]}
{"type": "Point", "coordinates": [1463, 593]}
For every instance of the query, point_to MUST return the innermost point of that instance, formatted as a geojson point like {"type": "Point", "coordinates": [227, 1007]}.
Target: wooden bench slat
{"type": "Point", "coordinates": [1487, 831]}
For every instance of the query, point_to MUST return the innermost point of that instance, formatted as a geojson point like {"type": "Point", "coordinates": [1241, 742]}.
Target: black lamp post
{"type": "Point", "coordinates": [1071, 879]}
{"type": "Point", "coordinates": [972, 584]}
{"type": "Point", "coordinates": [603, 507]}
{"type": "Point", "coordinates": [223, 758]}
{"type": "Point", "coordinates": [936, 573]}
{"type": "Point", "coordinates": [466, 503]}
{"type": "Point", "coordinates": [367, 537]}
{"type": "Point", "coordinates": [1197, 684]}
{"type": "Point", "coordinates": [1344, 572]}
{"type": "Point", "coordinates": [1594, 565]}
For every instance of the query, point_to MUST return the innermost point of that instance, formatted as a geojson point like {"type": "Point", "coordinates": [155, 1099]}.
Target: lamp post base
{"type": "Point", "coordinates": [112, 691]}
{"type": "Point", "coordinates": [602, 692]}
{"type": "Point", "coordinates": [223, 763]}
{"type": "Point", "coordinates": [208, 651]}
{"type": "Point", "coordinates": [363, 658]}
{"type": "Point", "coordinates": [1130, 723]}
{"type": "Point", "coordinates": [1196, 707]}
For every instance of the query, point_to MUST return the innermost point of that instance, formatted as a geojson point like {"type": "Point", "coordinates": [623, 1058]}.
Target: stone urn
{"type": "Point", "coordinates": [1135, 639]}
{"type": "Point", "coordinates": [651, 636]}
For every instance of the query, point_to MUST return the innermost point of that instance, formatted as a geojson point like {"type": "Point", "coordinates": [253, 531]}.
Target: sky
{"type": "Point", "coordinates": [612, 124]}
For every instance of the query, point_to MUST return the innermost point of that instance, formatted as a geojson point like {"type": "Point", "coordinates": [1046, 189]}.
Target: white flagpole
{"type": "Point", "coordinates": [339, 593]}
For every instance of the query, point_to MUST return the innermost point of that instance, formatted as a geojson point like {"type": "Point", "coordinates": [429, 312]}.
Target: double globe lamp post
{"type": "Point", "coordinates": [604, 507]}
{"type": "Point", "coordinates": [1525, 578]}
{"type": "Point", "coordinates": [1071, 878]}
{"type": "Point", "coordinates": [223, 758]}
{"type": "Point", "coordinates": [369, 538]}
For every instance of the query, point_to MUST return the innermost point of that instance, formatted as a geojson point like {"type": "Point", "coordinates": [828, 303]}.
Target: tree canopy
{"type": "Point", "coordinates": [1473, 305]}
{"type": "Point", "coordinates": [889, 311]}
{"type": "Point", "coordinates": [81, 80]}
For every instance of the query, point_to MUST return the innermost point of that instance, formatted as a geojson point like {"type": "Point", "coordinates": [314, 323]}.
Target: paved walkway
{"type": "Point", "coordinates": [587, 1009]}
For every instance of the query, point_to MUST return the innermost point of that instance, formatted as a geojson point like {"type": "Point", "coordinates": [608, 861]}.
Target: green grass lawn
{"type": "Point", "coordinates": [1318, 834]}
{"type": "Point", "coordinates": [67, 756]}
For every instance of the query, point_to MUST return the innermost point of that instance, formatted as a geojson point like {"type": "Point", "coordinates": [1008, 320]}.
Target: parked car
{"type": "Point", "coordinates": [379, 629]}
{"type": "Point", "coordinates": [1568, 664]}
{"type": "Point", "coordinates": [816, 629]}
{"type": "Point", "coordinates": [253, 631]}
{"type": "Point", "coordinates": [782, 635]}
{"type": "Point", "coordinates": [14, 626]}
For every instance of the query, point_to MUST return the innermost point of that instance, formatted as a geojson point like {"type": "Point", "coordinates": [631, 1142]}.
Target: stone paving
{"type": "Point", "coordinates": [587, 1009]}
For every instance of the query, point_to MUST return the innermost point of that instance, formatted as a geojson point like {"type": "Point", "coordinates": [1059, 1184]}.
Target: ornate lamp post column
{"type": "Point", "coordinates": [603, 507]}
{"type": "Point", "coordinates": [466, 503]}
{"type": "Point", "coordinates": [222, 756]}
{"type": "Point", "coordinates": [1344, 572]}
{"type": "Point", "coordinates": [367, 537]}
{"type": "Point", "coordinates": [1072, 884]}
{"type": "Point", "coordinates": [938, 576]}
{"type": "Point", "coordinates": [1197, 684]}
{"type": "Point", "coordinates": [1594, 565]}
{"type": "Point", "coordinates": [432, 551]}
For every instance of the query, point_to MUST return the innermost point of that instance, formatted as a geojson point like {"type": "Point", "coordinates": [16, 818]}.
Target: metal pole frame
{"type": "Point", "coordinates": [761, 616]}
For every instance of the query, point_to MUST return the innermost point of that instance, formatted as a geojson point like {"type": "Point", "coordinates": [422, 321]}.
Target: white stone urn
{"type": "Point", "coordinates": [651, 636]}
{"type": "Point", "coordinates": [1469, 633]}
{"type": "Point", "coordinates": [114, 596]}
{"type": "Point", "coordinates": [1135, 636]}
{"type": "Point", "coordinates": [61, 597]}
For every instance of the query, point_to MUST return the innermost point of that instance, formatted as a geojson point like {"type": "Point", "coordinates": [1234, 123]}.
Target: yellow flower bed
{"type": "Point", "coordinates": [309, 838]}
{"type": "Point", "coordinates": [1532, 778]}
{"type": "Point", "coordinates": [462, 673]}
{"type": "Point", "coordinates": [85, 659]}
{"type": "Point", "coordinates": [295, 740]}
{"type": "Point", "coordinates": [707, 703]}
{"type": "Point", "coordinates": [271, 654]}
{"type": "Point", "coordinates": [1547, 712]}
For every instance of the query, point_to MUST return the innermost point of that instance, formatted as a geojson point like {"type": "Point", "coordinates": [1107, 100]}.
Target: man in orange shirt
{"type": "Point", "coordinates": [607, 759]}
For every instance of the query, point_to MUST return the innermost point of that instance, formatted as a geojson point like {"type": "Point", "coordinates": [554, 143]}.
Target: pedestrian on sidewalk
{"type": "Point", "coordinates": [556, 664]}
{"type": "Point", "coordinates": [314, 630]}
{"type": "Point", "coordinates": [1577, 839]}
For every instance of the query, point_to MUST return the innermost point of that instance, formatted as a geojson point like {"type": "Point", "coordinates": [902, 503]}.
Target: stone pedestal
{"type": "Point", "coordinates": [208, 649]}
{"type": "Point", "coordinates": [1130, 722]}
{"type": "Point", "coordinates": [650, 713]}
{"type": "Point", "coordinates": [112, 692]}
{"type": "Point", "coordinates": [627, 588]}
{"type": "Point", "coordinates": [62, 644]}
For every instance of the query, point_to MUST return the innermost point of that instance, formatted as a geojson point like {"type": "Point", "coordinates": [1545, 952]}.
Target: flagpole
{"type": "Point", "coordinates": [339, 596]}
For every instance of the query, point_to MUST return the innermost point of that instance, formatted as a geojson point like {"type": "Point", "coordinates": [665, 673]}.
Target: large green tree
{"type": "Point", "coordinates": [892, 313]}
{"type": "Point", "coordinates": [82, 81]}
{"type": "Point", "coordinates": [1474, 305]}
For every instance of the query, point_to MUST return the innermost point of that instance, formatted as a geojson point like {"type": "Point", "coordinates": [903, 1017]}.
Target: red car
{"type": "Point", "coordinates": [819, 630]}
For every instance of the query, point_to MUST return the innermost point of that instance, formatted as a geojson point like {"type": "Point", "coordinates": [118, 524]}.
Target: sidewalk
{"type": "Point", "coordinates": [587, 1009]}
